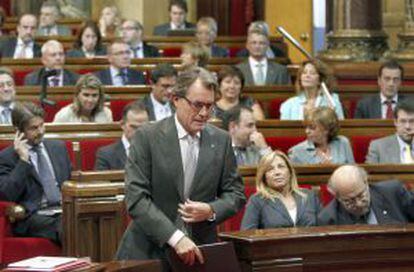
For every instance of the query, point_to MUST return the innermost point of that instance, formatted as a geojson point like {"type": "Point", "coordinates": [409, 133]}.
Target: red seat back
{"type": "Point", "coordinates": [19, 76]}
{"type": "Point", "coordinates": [360, 145]}
{"type": "Point", "coordinates": [88, 150]}
{"type": "Point", "coordinates": [117, 107]}
{"type": "Point", "coordinates": [283, 143]}
{"type": "Point", "coordinates": [274, 108]}
{"type": "Point", "coordinates": [172, 52]}
{"type": "Point", "coordinates": [50, 111]}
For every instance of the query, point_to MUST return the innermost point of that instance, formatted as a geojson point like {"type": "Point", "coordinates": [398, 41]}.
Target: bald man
{"type": "Point", "coordinates": [357, 202]}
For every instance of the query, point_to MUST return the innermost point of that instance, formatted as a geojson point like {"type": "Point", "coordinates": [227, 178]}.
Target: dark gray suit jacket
{"type": "Point", "coordinates": [384, 150]}
{"type": "Point", "coordinates": [134, 77]}
{"type": "Point", "coordinates": [155, 186]}
{"type": "Point", "coordinates": [19, 181]}
{"type": "Point", "coordinates": [151, 51]}
{"type": "Point", "coordinates": [265, 213]}
{"type": "Point", "coordinates": [370, 107]}
{"type": "Point", "coordinates": [162, 30]}
{"type": "Point", "coordinates": [8, 47]}
{"type": "Point", "coordinates": [391, 202]}
{"type": "Point", "coordinates": [35, 78]}
{"type": "Point", "coordinates": [276, 73]}
{"type": "Point", "coordinates": [111, 157]}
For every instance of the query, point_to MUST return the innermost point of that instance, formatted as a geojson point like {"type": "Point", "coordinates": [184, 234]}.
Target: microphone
{"type": "Point", "coordinates": [43, 89]}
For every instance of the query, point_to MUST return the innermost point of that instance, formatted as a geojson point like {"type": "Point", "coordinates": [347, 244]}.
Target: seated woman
{"type": "Point", "coordinates": [323, 144]}
{"type": "Point", "coordinates": [110, 22]}
{"type": "Point", "coordinates": [309, 92]}
{"type": "Point", "coordinates": [88, 103]}
{"type": "Point", "coordinates": [231, 83]}
{"type": "Point", "coordinates": [88, 42]}
{"type": "Point", "coordinates": [279, 202]}
{"type": "Point", "coordinates": [206, 34]}
{"type": "Point", "coordinates": [193, 55]}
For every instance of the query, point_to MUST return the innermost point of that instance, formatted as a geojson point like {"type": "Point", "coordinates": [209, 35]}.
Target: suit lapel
{"type": "Point", "coordinates": [50, 151]}
{"type": "Point", "coordinates": [170, 145]}
{"type": "Point", "coordinates": [121, 153]}
{"type": "Point", "coordinates": [393, 149]}
{"type": "Point", "coordinates": [381, 210]}
{"type": "Point", "coordinates": [281, 208]}
{"type": "Point", "coordinates": [300, 207]}
{"type": "Point", "coordinates": [249, 73]}
{"type": "Point", "coordinates": [205, 157]}
{"type": "Point", "coordinates": [376, 107]}
{"type": "Point", "coordinates": [271, 73]}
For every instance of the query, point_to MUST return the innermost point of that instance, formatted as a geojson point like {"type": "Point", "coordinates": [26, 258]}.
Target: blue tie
{"type": "Point", "coordinates": [47, 179]}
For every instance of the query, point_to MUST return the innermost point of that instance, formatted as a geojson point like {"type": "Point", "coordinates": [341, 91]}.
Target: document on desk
{"type": "Point", "coordinates": [44, 263]}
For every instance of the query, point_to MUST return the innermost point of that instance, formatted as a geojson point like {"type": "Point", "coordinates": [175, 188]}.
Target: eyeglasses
{"type": "Point", "coordinates": [350, 202]}
{"type": "Point", "coordinates": [198, 106]}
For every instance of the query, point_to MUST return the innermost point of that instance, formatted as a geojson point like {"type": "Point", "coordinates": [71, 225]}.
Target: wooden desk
{"type": "Point", "coordinates": [331, 248]}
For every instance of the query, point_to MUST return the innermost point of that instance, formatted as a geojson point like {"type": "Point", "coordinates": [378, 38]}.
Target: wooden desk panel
{"type": "Point", "coordinates": [330, 248]}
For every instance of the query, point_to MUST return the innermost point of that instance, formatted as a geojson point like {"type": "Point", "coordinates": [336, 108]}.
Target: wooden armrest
{"type": "Point", "coordinates": [15, 213]}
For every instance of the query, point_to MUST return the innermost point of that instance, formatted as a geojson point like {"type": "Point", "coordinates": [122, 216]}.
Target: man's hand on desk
{"type": "Point", "coordinates": [193, 211]}
{"type": "Point", "coordinates": [188, 251]}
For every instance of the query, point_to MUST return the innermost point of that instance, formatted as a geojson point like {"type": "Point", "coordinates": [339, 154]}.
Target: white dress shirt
{"type": "Point", "coordinates": [126, 144]}
{"type": "Point", "coordinates": [116, 78]}
{"type": "Point", "coordinates": [139, 52]}
{"type": "Point", "coordinates": [20, 46]}
{"type": "Point", "coordinates": [182, 138]}
{"type": "Point", "coordinates": [161, 111]}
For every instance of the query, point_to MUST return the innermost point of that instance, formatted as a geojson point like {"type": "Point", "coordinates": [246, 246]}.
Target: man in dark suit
{"type": "Point", "coordinates": [132, 32]}
{"type": "Point", "coordinates": [113, 156]}
{"type": "Point", "coordinates": [257, 69]}
{"type": "Point", "coordinates": [158, 102]}
{"type": "Point", "coordinates": [357, 202]}
{"type": "Point", "coordinates": [382, 105]}
{"type": "Point", "coordinates": [22, 46]}
{"type": "Point", "coordinates": [49, 13]}
{"type": "Point", "coordinates": [178, 12]}
{"type": "Point", "coordinates": [119, 72]}
{"type": "Point", "coordinates": [32, 172]}
{"type": "Point", "coordinates": [249, 144]}
{"type": "Point", "coordinates": [53, 59]}
{"type": "Point", "coordinates": [181, 177]}
{"type": "Point", "coordinates": [399, 147]}
{"type": "Point", "coordinates": [7, 96]}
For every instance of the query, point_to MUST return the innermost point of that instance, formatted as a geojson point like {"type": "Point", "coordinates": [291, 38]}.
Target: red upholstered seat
{"type": "Point", "coordinates": [233, 51]}
{"type": "Point", "coordinates": [13, 249]}
{"type": "Point", "coordinates": [88, 150]}
{"type": "Point", "coordinates": [117, 106]}
{"type": "Point", "coordinates": [274, 108]}
{"type": "Point", "coordinates": [19, 76]}
{"type": "Point", "coordinates": [360, 145]}
{"type": "Point", "coordinates": [283, 143]}
{"type": "Point", "coordinates": [324, 195]}
{"type": "Point", "coordinates": [51, 111]}
{"type": "Point", "coordinates": [172, 52]}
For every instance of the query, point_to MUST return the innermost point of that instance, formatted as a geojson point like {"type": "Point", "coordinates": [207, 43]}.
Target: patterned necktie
{"type": "Point", "coordinates": [47, 178]}
{"type": "Point", "coordinates": [6, 116]}
{"type": "Point", "coordinates": [124, 76]}
{"type": "Point", "coordinates": [190, 164]}
{"type": "Point", "coordinates": [239, 153]}
{"type": "Point", "coordinates": [408, 157]}
{"type": "Point", "coordinates": [389, 113]}
{"type": "Point", "coordinates": [54, 81]}
{"type": "Point", "coordinates": [260, 80]}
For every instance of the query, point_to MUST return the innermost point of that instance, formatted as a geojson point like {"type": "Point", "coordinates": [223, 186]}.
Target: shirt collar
{"type": "Point", "coordinates": [383, 98]}
{"type": "Point", "coordinates": [114, 71]}
{"type": "Point", "coordinates": [173, 26]}
{"type": "Point", "coordinates": [402, 144]}
{"type": "Point", "coordinates": [139, 45]}
{"type": "Point", "coordinates": [253, 62]}
{"type": "Point", "coordinates": [156, 103]}
{"type": "Point", "coordinates": [125, 142]}
{"type": "Point", "coordinates": [182, 133]}
{"type": "Point", "coordinates": [10, 106]}
{"type": "Point", "coordinates": [21, 43]}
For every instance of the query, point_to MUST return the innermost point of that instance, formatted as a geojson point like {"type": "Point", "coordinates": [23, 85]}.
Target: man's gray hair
{"type": "Point", "coordinates": [188, 77]}
{"type": "Point", "coordinates": [50, 43]}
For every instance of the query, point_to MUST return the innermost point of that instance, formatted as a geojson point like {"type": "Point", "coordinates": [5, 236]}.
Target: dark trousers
{"type": "Point", "coordinates": [44, 226]}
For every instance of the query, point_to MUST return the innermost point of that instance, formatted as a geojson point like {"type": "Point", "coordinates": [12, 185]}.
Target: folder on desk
{"type": "Point", "coordinates": [218, 257]}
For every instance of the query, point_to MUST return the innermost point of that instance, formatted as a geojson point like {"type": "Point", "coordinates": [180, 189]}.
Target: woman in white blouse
{"type": "Point", "coordinates": [88, 103]}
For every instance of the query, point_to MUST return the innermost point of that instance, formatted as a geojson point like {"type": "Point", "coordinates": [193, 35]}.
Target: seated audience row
{"type": "Point", "coordinates": [279, 202]}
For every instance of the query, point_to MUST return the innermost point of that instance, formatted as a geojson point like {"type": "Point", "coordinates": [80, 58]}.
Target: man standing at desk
{"type": "Point", "coordinates": [181, 177]}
